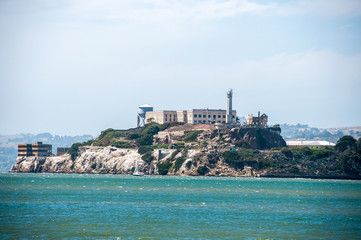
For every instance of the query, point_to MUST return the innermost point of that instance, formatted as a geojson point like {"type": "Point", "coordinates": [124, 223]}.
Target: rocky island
{"type": "Point", "coordinates": [201, 149]}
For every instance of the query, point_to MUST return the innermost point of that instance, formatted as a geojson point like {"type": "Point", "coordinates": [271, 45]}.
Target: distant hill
{"type": "Point", "coordinates": [305, 132]}
{"type": "Point", "coordinates": [9, 145]}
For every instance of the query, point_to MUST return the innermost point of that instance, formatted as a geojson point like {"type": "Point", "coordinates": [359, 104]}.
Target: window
{"type": "Point", "coordinates": [209, 116]}
{"type": "Point", "coordinates": [224, 116]}
{"type": "Point", "coordinates": [204, 116]}
{"type": "Point", "coordinates": [165, 115]}
{"type": "Point", "coordinates": [199, 115]}
{"type": "Point", "coordinates": [223, 121]}
{"type": "Point", "coordinates": [195, 115]}
{"type": "Point", "coordinates": [204, 121]}
{"type": "Point", "coordinates": [199, 121]}
{"type": "Point", "coordinates": [219, 116]}
{"type": "Point", "coordinates": [219, 121]}
{"type": "Point", "coordinates": [214, 116]}
{"type": "Point", "coordinates": [166, 119]}
{"type": "Point", "coordinates": [232, 116]}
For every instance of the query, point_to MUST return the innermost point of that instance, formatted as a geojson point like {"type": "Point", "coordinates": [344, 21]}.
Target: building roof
{"type": "Point", "coordinates": [210, 110]}
{"type": "Point", "coordinates": [310, 143]}
{"type": "Point", "coordinates": [146, 105]}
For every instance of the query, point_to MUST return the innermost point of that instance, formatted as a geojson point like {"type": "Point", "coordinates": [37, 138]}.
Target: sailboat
{"type": "Point", "coordinates": [136, 171]}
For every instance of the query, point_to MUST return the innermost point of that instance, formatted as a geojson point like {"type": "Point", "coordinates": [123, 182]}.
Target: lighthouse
{"type": "Point", "coordinates": [229, 118]}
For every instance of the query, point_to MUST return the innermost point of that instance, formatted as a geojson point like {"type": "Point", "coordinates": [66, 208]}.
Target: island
{"type": "Point", "coordinates": [200, 150]}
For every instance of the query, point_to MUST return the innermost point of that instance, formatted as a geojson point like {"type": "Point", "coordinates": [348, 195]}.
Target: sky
{"type": "Point", "coordinates": [81, 66]}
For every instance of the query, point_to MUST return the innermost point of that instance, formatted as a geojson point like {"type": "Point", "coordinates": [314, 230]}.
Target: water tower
{"type": "Point", "coordinates": [141, 114]}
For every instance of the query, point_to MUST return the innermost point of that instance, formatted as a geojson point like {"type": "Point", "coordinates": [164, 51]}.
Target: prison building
{"type": "Point", "coordinates": [194, 116]}
{"type": "Point", "coordinates": [38, 150]}
{"type": "Point", "coordinates": [260, 120]}
{"type": "Point", "coordinates": [61, 150]}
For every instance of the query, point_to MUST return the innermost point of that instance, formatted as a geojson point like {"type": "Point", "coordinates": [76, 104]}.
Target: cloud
{"type": "Point", "coordinates": [326, 7]}
{"type": "Point", "coordinates": [145, 10]}
{"type": "Point", "coordinates": [160, 10]}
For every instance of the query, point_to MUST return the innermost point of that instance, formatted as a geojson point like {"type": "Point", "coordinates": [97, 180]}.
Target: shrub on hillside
{"type": "Point", "coordinates": [178, 163]}
{"type": "Point", "coordinates": [74, 149]}
{"type": "Point", "coordinates": [147, 157]}
{"type": "Point", "coordinates": [191, 136]}
{"type": "Point", "coordinates": [212, 157]}
{"type": "Point", "coordinates": [344, 143]}
{"type": "Point", "coordinates": [202, 170]}
{"type": "Point", "coordinates": [179, 145]}
{"type": "Point", "coordinates": [318, 153]}
{"type": "Point", "coordinates": [121, 144]}
{"type": "Point", "coordinates": [189, 164]}
{"type": "Point", "coordinates": [144, 149]}
{"type": "Point", "coordinates": [164, 167]}
{"type": "Point", "coordinates": [233, 159]}
{"type": "Point", "coordinates": [146, 139]}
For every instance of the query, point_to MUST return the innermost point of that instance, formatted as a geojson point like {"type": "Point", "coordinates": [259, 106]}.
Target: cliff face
{"type": "Point", "coordinates": [256, 138]}
{"type": "Point", "coordinates": [90, 160]}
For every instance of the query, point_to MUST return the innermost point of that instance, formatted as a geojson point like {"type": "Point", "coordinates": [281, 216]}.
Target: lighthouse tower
{"type": "Point", "coordinates": [229, 118]}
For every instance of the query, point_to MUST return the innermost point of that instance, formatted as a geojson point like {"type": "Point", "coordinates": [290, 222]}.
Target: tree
{"type": "Point", "coordinates": [346, 142]}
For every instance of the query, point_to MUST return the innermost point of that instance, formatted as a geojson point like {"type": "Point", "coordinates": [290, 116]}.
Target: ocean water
{"type": "Point", "coordinates": [61, 206]}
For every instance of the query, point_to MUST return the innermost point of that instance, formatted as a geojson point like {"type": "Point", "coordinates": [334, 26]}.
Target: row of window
{"type": "Point", "coordinates": [204, 121]}
{"type": "Point", "coordinates": [170, 119]}
{"type": "Point", "coordinates": [209, 116]}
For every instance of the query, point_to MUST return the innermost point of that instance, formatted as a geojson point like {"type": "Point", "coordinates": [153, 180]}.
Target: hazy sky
{"type": "Point", "coordinates": [81, 66]}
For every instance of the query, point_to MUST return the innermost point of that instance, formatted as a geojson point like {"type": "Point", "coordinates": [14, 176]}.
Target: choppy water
{"type": "Point", "coordinates": [57, 206]}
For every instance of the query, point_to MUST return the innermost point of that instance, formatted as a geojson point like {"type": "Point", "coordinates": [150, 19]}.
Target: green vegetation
{"type": "Point", "coordinates": [74, 149]}
{"type": "Point", "coordinates": [144, 149]}
{"type": "Point", "coordinates": [133, 136]}
{"type": "Point", "coordinates": [212, 157]}
{"type": "Point", "coordinates": [349, 154]}
{"type": "Point", "coordinates": [202, 170]}
{"type": "Point", "coordinates": [142, 138]}
{"type": "Point", "coordinates": [164, 167]}
{"type": "Point", "coordinates": [147, 148]}
{"type": "Point", "coordinates": [189, 164]}
{"type": "Point", "coordinates": [107, 137]}
{"type": "Point", "coordinates": [233, 159]}
{"type": "Point", "coordinates": [191, 136]}
{"type": "Point", "coordinates": [121, 144]}
{"type": "Point", "coordinates": [147, 157]}
{"type": "Point", "coordinates": [318, 153]}
{"type": "Point", "coordinates": [146, 139]}
{"type": "Point", "coordinates": [179, 145]}
{"type": "Point", "coordinates": [344, 143]}
{"type": "Point", "coordinates": [276, 128]}
{"type": "Point", "coordinates": [178, 163]}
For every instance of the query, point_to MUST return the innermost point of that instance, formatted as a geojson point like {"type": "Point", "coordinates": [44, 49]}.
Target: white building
{"type": "Point", "coordinates": [311, 144]}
